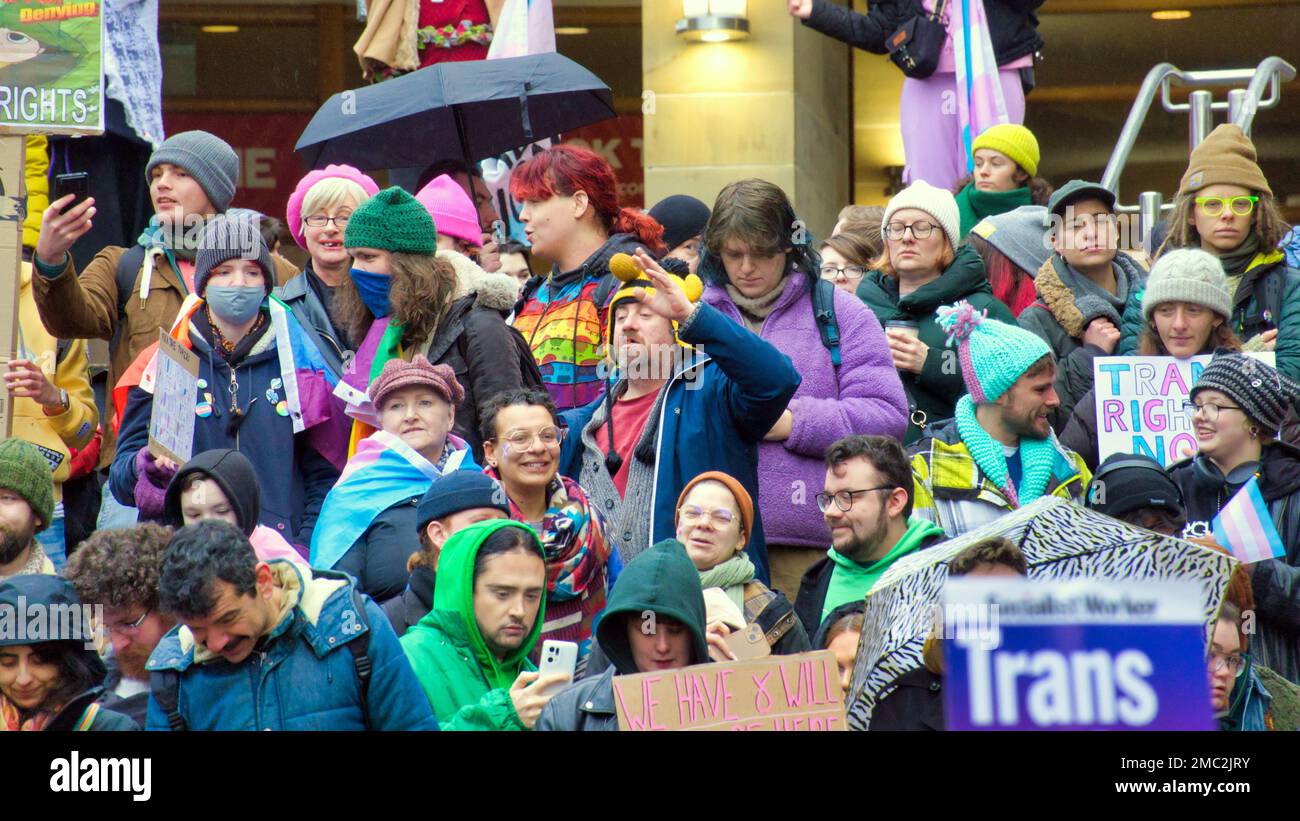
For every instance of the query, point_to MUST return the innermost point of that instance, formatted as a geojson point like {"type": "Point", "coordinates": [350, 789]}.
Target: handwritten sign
{"type": "Point", "coordinates": [1082, 654]}
{"type": "Point", "coordinates": [1140, 404]}
{"type": "Point", "coordinates": [171, 425]}
{"type": "Point", "coordinates": [799, 692]}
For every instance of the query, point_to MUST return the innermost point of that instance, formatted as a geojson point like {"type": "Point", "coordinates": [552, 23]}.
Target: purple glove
{"type": "Point", "coordinates": [150, 484]}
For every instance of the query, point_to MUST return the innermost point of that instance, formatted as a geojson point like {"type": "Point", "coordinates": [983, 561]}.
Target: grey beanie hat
{"type": "Point", "coordinates": [227, 236]}
{"type": "Point", "coordinates": [1019, 235]}
{"type": "Point", "coordinates": [1264, 394]}
{"type": "Point", "coordinates": [207, 158]}
{"type": "Point", "coordinates": [1188, 275]}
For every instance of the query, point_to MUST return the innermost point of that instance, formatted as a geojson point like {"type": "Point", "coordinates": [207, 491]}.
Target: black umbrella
{"type": "Point", "coordinates": [467, 110]}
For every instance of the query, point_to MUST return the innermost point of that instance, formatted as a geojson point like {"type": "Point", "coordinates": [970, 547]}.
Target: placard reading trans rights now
{"type": "Point", "coordinates": [51, 66]}
{"type": "Point", "coordinates": [1086, 654]}
{"type": "Point", "coordinates": [1140, 404]}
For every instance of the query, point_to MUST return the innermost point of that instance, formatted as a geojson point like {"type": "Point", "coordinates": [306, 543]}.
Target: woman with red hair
{"type": "Point", "coordinates": [572, 219]}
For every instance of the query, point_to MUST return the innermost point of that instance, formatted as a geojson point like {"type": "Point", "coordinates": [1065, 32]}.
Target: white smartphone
{"type": "Point", "coordinates": [558, 657]}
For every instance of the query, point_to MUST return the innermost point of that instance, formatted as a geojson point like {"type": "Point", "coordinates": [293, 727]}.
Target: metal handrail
{"type": "Point", "coordinates": [1273, 71]}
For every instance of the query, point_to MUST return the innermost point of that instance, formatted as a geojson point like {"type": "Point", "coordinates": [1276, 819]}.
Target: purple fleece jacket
{"type": "Point", "coordinates": [866, 396]}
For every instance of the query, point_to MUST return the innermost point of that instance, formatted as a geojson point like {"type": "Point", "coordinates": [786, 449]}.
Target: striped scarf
{"type": "Point", "coordinates": [577, 552]}
{"type": "Point", "coordinates": [979, 89]}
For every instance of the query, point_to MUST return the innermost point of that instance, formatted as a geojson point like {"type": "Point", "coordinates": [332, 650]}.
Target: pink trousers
{"type": "Point", "coordinates": [928, 120]}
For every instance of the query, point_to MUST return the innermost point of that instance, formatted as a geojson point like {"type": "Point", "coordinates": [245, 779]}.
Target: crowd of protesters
{"type": "Point", "coordinates": [420, 458]}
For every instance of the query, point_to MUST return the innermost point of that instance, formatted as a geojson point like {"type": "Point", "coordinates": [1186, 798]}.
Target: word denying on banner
{"type": "Point", "coordinates": [799, 692]}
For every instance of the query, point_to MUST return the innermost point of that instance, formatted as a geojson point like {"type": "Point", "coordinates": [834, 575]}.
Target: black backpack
{"type": "Point", "coordinates": [165, 685]}
{"type": "Point", "coordinates": [128, 269]}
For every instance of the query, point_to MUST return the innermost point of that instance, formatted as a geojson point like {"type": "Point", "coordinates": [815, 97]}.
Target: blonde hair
{"type": "Point", "coordinates": [330, 192]}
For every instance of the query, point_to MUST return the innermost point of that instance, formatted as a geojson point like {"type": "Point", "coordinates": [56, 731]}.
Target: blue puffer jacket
{"type": "Point", "coordinates": [293, 476]}
{"type": "Point", "coordinates": [303, 678]}
{"type": "Point", "coordinates": [718, 407]}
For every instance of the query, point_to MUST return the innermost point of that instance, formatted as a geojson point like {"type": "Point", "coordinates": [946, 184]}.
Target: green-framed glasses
{"type": "Point", "coordinates": [1213, 206]}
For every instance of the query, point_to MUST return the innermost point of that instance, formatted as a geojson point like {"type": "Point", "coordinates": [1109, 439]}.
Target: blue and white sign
{"type": "Point", "coordinates": [1085, 654]}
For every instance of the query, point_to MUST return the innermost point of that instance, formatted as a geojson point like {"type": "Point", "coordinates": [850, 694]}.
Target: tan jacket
{"type": "Point", "coordinates": [84, 306]}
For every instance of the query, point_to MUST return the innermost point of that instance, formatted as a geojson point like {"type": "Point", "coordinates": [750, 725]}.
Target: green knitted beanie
{"type": "Point", "coordinates": [24, 471]}
{"type": "Point", "coordinates": [392, 220]}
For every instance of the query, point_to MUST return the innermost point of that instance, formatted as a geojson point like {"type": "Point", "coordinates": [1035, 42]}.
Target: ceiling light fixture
{"type": "Point", "coordinates": [1171, 14]}
{"type": "Point", "coordinates": [219, 29]}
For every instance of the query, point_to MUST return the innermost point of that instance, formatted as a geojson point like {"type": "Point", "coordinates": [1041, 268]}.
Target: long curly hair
{"type": "Point", "coordinates": [421, 290]}
{"type": "Point", "coordinates": [1266, 221]}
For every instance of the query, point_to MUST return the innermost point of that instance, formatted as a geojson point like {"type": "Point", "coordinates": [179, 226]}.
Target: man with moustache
{"type": "Point", "coordinates": [999, 452]}
{"type": "Point", "coordinates": [867, 504]}
{"type": "Point", "coordinates": [118, 570]}
{"type": "Point", "coordinates": [26, 508]}
{"type": "Point", "coordinates": [272, 645]}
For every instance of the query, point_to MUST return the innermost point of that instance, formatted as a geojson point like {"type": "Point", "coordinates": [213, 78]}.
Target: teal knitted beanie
{"type": "Point", "coordinates": [24, 471]}
{"type": "Point", "coordinates": [392, 220]}
{"type": "Point", "coordinates": [993, 354]}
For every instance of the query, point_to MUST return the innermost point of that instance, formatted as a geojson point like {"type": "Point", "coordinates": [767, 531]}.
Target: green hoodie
{"type": "Point", "coordinates": [663, 580]}
{"type": "Point", "coordinates": [851, 581]}
{"type": "Point", "coordinates": [467, 686]}
{"type": "Point", "coordinates": [936, 389]}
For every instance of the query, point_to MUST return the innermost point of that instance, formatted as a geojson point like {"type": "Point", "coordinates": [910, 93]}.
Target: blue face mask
{"type": "Point", "coordinates": [373, 289]}
{"type": "Point", "coordinates": [235, 304]}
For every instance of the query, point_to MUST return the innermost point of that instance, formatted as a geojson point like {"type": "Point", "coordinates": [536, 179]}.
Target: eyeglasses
{"type": "Point", "coordinates": [844, 499]}
{"type": "Point", "coordinates": [920, 230]}
{"type": "Point", "coordinates": [1213, 206]}
{"type": "Point", "coordinates": [129, 628]}
{"type": "Point", "coordinates": [720, 516]}
{"type": "Point", "coordinates": [320, 220]}
{"type": "Point", "coordinates": [849, 273]}
{"type": "Point", "coordinates": [1209, 410]}
{"type": "Point", "coordinates": [1218, 661]}
{"type": "Point", "coordinates": [550, 435]}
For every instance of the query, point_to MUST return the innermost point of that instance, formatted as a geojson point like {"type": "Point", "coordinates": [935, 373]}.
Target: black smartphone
{"type": "Point", "coordinates": [75, 182]}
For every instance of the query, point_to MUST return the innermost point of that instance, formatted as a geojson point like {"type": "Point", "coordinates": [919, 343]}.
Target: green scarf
{"type": "Point", "coordinates": [851, 581]}
{"type": "Point", "coordinates": [1236, 262]}
{"type": "Point", "coordinates": [732, 576]}
{"type": "Point", "coordinates": [1037, 456]}
{"type": "Point", "coordinates": [974, 205]}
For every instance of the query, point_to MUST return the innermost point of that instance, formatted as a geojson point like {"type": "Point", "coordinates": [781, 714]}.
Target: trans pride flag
{"type": "Point", "coordinates": [384, 471]}
{"type": "Point", "coordinates": [1246, 528]}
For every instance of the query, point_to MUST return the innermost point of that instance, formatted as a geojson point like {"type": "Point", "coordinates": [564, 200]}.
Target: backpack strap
{"type": "Point", "coordinates": [128, 268]}
{"type": "Point", "coordinates": [165, 686]}
{"type": "Point", "coordinates": [359, 647]}
{"type": "Point", "coordinates": [823, 303]}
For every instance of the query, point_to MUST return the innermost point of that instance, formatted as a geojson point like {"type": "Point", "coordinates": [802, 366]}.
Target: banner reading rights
{"type": "Point", "coordinates": [51, 67]}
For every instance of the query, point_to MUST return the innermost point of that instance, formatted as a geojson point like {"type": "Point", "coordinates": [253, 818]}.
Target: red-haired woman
{"type": "Point", "coordinates": [573, 220]}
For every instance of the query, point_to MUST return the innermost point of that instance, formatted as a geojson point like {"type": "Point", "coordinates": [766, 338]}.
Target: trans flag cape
{"type": "Point", "coordinates": [308, 381]}
{"type": "Point", "coordinates": [383, 342]}
{"type": "Point", "coordinates": [384, 471]}
{"type": "Point", "coordinates": [980, 103]}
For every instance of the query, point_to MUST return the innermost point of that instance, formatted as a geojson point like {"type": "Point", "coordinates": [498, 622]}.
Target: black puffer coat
{"type": "Point", "coordinates": [1013, 25]}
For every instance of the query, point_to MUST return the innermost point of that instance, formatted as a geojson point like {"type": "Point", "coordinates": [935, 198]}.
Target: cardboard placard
{"type": "Point", "coordinates": [53, 80]}
{"type": "Point", "coordinates": [799, 692]}
{"type": "Point", "coordinates": [12, 154]}
{"type": "Point", "coordinates": [1082, 654]}
{"type": "Point", "coordinates": [171, 425]}
{"type": "Point", "coordinates": [1140, 404]}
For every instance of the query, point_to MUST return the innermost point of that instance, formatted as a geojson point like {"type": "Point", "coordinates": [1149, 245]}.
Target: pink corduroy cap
{"type": "Point", "coordinates": [452, 210]}
{"type": "Point", "coordinates": [293, 215]}
{"type": "Point", "coordinates": [399, 374]}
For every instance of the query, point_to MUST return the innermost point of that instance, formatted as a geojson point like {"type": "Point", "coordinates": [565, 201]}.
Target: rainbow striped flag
{"type": "Point", "coordinates": [1246, 528]}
